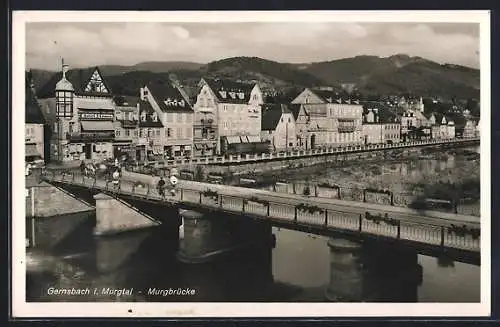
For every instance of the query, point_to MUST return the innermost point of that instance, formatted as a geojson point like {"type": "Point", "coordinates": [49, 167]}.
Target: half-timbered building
{"type": "Point", "coordinates": [84, 110]}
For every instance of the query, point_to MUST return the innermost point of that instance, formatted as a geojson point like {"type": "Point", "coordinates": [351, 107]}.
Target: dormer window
{"type": "Point", "coordinates": [232, 95]}
{"type": "Point", "coordinates": [155, 116]}
{"type": "Point", "coordinates": [241, 95]}
{"type": "Point", "coordinates": [143, 116]}
{"type": "Point", "coordinates": [181, 103]}
{"type": "Point", "coordinates": [223, 94]}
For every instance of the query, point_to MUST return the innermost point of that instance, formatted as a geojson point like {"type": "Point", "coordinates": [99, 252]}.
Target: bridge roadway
{"type": "Point", "coordinates": [422, 228]}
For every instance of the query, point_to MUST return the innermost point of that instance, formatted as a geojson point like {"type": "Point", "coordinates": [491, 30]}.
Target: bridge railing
{"type": "Point", "coordinates": [369, 195]}
{"type": "Point", "coordinates": [307, 153]}
{"type": "Point", "coordinates": [446, 235]}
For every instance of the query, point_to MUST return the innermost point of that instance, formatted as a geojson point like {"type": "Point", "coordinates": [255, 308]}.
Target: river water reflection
{"type": "Point", "coordinates": [299, 268]}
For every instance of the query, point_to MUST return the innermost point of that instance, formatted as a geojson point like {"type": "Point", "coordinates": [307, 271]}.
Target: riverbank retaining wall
{"type": "Point", "coordinates": [53, 215]}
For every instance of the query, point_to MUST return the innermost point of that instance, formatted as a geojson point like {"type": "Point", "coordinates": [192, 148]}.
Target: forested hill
{"type": "Point", "coordinates": [394, 75]}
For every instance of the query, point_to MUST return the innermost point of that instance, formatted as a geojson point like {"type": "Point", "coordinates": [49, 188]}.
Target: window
{"type": "Point", "coordinates": [169, 132]}
{"type": "Point", "coordinates": [289, 120]}
{"type": "Point", "coordinates": [179, 133]}
{"type": "Point", "coordinates": [188, 132]}
{"type": "Point", "coordinates": [155, 116]}
{"type": "Point", "coordinates": [143, 116]}
{"type": "Point", "coordinates": [157, 132]}
{"type": "Point", "coordinates": [117, 132]}
{"type": "Point", "coordinates": [64, 104]}
{"type": "Point", "coordinates": [55, 127]}
{"type": "Point", "coordinates": [225, 108]}
{"type": "Point", "coordinates": [127, 132]}
{"type": "Point", "coordinates": [281, 119]}
{"type": "Point", "coordinates": [135, 133]}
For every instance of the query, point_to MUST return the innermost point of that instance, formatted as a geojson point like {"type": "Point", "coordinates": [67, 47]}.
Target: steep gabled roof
{"type": "Point", "coordinates": [146, 106]}
{"type": "Point", "coordinates": [459, 120]}
{"type": "Point", "coordinates": [295, 109]}
{"type": "Point", "coordinates": [383, 112]}
{"type": "Point", "coordinates": [126, 101]}
{"type": "Point", "coordinates": [271, 115]}
{"type": "Point", "coordinates": [168, 97]}
{"type": "Point", "coordinates": [228, 91]}
{"type": "Point", "coordinates": [33, 112]}
{"type": "Point", "coordinates": [79, 78]}
{"type": "Point", "coordinates": [439, 118]}
{"type": "Point", "coordinates": [328, 96]}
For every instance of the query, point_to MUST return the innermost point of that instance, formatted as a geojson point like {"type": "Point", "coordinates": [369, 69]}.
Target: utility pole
{"type": "Point", "coordinates": [286, 136]}
{"type": "Point", "coordinates": [33, 216]}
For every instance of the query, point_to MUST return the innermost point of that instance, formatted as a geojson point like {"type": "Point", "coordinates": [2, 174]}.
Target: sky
{"type": "Point", "coordinates": [90, 43]}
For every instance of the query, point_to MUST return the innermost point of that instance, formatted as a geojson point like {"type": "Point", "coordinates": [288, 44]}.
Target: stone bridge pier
{"type": "Point", "coordinates": [372, 271]}
{"type": "Point", "coordinates": [210, 235]}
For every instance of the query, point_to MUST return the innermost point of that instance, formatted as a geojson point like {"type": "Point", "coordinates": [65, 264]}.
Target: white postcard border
{"type": "Point", "coordinates": [21, 308]}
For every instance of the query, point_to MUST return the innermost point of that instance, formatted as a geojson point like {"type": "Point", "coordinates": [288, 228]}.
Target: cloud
{"type": "Point", "coordinates": [85, 44]}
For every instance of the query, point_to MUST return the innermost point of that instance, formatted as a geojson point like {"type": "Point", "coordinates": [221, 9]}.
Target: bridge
{"type": "Point", "coordinates": [428, 232]}
{"type": "Point", "coordinates": [294, 154]}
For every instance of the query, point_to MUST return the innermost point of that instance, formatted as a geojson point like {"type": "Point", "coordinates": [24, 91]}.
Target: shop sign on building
{"type": "Point", "coordinates": [95, 115]}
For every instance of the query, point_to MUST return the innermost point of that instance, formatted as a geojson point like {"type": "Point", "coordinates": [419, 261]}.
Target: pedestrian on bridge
{"type": "Point", "coordinates": [82, 167]}
{"type": "Point", "coordinates": [173, 183]}
{"type": "Point", "coordinates": [116, 179]}
{"type": "Point", "coordinates": [161, 187]}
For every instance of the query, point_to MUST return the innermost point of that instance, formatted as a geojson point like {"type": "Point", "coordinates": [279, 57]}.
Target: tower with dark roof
{"type": "Point", "coordinates": [64, 95]}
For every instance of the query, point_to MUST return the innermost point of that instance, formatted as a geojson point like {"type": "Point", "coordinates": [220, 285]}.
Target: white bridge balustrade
{"type": "Point", "coordinates": [421, 233]}
{"type": "Point", "coordinates": [311, 218]}
{"type": "Point", "coordinates": [306, 153]}
{"type": "Point", "coordinates": [282, 211]}
{"type": "Point", "coordinates": [294, 210]}
{"type": "Point", "coordinates": [342, 220]}
{"type": "Point", "coordinates": [379, 228]}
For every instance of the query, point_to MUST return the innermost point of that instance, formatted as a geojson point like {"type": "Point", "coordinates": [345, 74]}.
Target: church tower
{"type": "Point", "coordinates": [421, 105]}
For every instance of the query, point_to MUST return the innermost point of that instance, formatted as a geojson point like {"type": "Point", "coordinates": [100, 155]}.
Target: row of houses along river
{"type": "Point", "coordinates": [299, 267]}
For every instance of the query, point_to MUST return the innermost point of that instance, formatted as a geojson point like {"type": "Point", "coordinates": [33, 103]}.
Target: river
{"type": "Point", "coordinates": [298, 271]}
